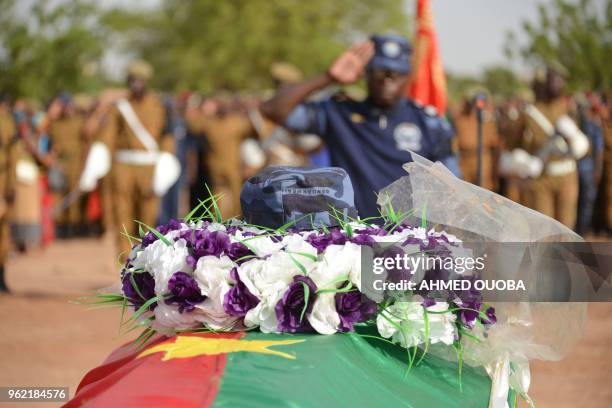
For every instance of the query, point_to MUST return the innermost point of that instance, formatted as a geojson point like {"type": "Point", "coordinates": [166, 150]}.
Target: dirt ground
{"type": "Point", "coordinates": [49, 340]}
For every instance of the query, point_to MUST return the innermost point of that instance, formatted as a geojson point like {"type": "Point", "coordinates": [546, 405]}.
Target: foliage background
{"type": "Point", "coordinates": [208, 45]}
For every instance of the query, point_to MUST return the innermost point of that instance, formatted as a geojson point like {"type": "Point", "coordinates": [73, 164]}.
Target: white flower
{"type": "Point", "coordinates": [297, 243]}
{"type": "Point", "coordinates": [441, 325]}
{"type": "Point", "coordinates": [268, 280]}
{"type": "Point", "coordinates": [211, 272]}
{"type": "Point", "coordinates": [338, 263]}
{"type": "Point", "coordinates": [168, 317]}
{"type": "Point", "coordinates": [162, 261]}
{"type": "Point", "coordinates": [252, 229]}
{"type": "Point", "coordinates": [264, 277]}
{"type": "Point", "coordinates": [264, 314]}
{"type": "Point", "coordinates": [324, 318]}
{"type": "Point", "coordinates": [211, 312]}
{"type": "Point", "coordinates": [297, 252]}
{"type": "Point", "coordinates": [405, 323]}
{"type": "Point", "coordinates": [215, 226]}
{"type": "Point", "coordinates": [261, 245]}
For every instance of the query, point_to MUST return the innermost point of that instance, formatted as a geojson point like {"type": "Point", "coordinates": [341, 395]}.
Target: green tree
{"type": "Point", "coordinates": [576, 35]}
{"type": "Point", "coordinates": [47, 49]}
{"type": "Point", "coordinates": [501, 81]}
{"type": "Point", "coordinates": [211, 44]}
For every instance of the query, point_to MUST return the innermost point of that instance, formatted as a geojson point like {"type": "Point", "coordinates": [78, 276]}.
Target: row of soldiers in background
{"type": "Point", "coordinates": [526, 158]}
{"type": "Point", "coordinates": [44, 157]}
{"type": "Point", "coordinates": [223, 139]}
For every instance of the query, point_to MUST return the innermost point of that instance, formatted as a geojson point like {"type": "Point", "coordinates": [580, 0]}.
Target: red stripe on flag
{"type": "Point", "coordinates": [181, 382]}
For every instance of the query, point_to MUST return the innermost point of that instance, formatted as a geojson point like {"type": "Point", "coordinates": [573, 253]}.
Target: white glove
{"type": "Point", "coordinates": [579, 143]}
{"type": "Point", "coordinates": [97, 165]}
{"type": "Point", "coordinates": [166, 173]}
{"type": "Point", "coordinates": [520, 163]}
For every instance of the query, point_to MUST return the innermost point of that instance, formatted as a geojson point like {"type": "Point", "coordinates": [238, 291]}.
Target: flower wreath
{"type": "Point", "coordinates": [206, 274]}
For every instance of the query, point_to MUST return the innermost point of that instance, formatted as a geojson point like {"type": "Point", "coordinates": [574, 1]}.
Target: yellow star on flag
{"type": "Point", "coordinates": [193, 346]}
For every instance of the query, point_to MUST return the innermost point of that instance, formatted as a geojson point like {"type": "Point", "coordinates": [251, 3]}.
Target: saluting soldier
{"type": "Point", "coordinates": [133, 132]}
{"type": "Point", "coordinates": [370, 139]}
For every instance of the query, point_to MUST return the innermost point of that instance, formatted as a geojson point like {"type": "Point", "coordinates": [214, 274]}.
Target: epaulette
{"type": "Point", "coordinates": [430, 110]}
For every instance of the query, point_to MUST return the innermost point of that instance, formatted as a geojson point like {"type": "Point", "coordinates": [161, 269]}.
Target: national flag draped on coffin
{"type": "Point", "coordinates": [270, 370]}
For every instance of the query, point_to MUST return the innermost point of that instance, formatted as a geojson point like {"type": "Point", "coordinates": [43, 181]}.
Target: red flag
{"type": "Point", "coordinates": [428, 83]}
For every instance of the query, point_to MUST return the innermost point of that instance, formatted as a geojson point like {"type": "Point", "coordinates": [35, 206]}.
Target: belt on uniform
{"type": "Point", "coordinates": [137, 157]}
{"type": "Point", "coordinates": [561, 167]}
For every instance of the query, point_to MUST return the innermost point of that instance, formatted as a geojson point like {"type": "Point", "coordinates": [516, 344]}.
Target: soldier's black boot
{"type": "Point", "coordinates": [3, 287]}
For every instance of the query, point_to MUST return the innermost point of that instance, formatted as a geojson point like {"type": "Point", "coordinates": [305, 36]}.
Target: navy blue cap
{"type": "Point", "coordinates": [391, 52]}
{"type": "Point", "coordinates": [309, 197]}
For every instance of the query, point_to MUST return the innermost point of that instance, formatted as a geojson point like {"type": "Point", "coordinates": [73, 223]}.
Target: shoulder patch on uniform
{"type": "Point", "coordinates": [356, 117]}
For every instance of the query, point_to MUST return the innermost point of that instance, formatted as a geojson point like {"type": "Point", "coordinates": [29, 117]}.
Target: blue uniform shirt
{"type": "Point", "coordinates": [372, 144]}
{"type": "Point", "coordinates": [595, 135]}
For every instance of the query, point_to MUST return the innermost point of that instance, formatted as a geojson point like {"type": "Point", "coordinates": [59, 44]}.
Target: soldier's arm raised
{"type": "Point", "coordinates": [288, 97]}
{"type": "Point", "coordinates": [346, 69]}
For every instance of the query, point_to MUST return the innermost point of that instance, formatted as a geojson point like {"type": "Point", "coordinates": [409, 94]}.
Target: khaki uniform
{"type": "Point", "coordinates": [511, 127]}
{"type": "Point", "coordinates": [555, 192]}
{"type": "Point", "coordinates": [606, 179]}
{"type": "Point", "coordinates": [7, 179]}
{"type": "Point", "coordinates": [67, 142]}
{"type": "Point", "coordinates": [132, 184]}
{"type": "Point", "coordinates": [224, 136]}
{"type": "Point", "coordinates": [467, 137]}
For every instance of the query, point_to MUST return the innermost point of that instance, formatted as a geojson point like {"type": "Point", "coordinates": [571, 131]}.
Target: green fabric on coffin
{"type": "Point", "coordinates": [346, 370]}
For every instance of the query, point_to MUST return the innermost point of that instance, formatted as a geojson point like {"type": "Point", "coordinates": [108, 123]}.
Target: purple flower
{"type": "Point", "coordinates": [428, 302]}
{"type": "Point", "coordinates": [185, 292]}
{"type": "Point", "coordinates": [146, 286]}
{"type": "Point", "coordinates": [491, 318]}
{"type": "Point", "coordinates": [204, 242]}
{"type": "Point", "coordinates": [150, 237]}
{"type": "Point", "coordinates": [469, 312]}
{"type": "Point", "coordinates": [293, 308]}
{"type": "Point", "coordinates": [236, 251]}
{"type": "Point", "coordinates": [469, 317]}
{"type": "Point", "coordinates": [374, 230]}
{"type": "Point", "coordinates": [363, 239]}
{"type": "Point", "coordinates": [322, 241]}
{"type": "Point", "coordinates": [353, 307]}
{"type": "Point", "coordinates": [238, 300]}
